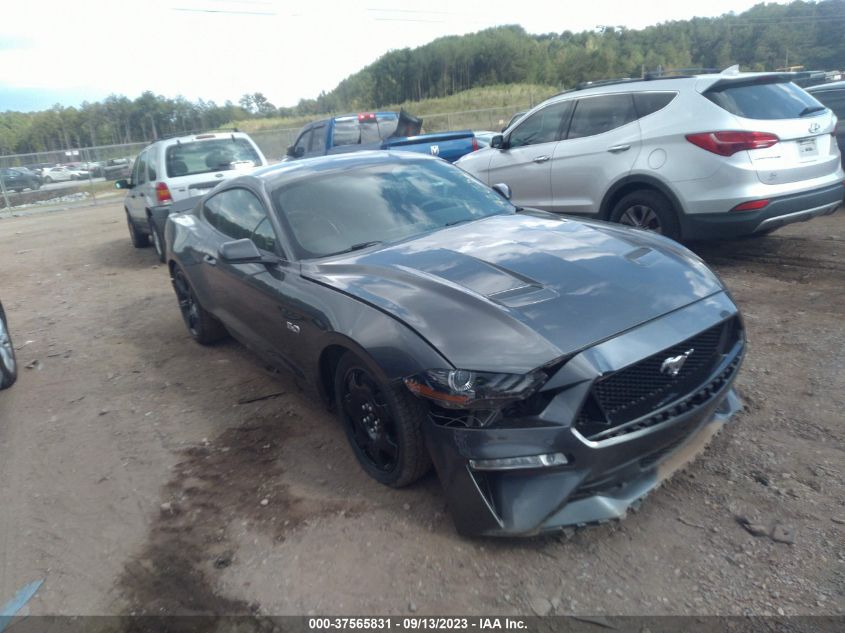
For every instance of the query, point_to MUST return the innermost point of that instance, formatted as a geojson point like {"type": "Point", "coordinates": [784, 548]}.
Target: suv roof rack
{"type": "Point", "coordinates": [584, 85]}
{"type": "Point", "coordinates": [195, 132]}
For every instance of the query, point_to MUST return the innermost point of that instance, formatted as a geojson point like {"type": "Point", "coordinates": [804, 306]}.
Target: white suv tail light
{"type": "Point", "coordinates": [728, 143]}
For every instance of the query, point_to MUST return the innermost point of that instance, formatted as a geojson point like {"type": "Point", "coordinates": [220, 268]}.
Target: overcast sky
{"type": "Point", "coordinates": [69, 51]}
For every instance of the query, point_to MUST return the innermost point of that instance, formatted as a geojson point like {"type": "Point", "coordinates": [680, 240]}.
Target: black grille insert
{"type": "Point", "coordinates": [639, 389]}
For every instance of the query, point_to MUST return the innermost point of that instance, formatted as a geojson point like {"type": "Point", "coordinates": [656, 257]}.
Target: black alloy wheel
{"type": "Point", "coordinates": [8, 362]}
{"type": "Point", "coordinates": [204, 328]}
{"type": "Point", "coordinates": [370, 421]}
{"type": "Point", "coordinates": [383, 423]}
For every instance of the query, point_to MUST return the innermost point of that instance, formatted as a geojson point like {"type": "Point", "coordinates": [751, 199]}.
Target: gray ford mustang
{"type": "Point", "coordinates": [553, 371]}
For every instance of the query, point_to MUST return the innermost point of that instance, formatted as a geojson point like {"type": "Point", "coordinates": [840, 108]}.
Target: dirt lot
{"type": "Point", "coordinates": [135, 469]}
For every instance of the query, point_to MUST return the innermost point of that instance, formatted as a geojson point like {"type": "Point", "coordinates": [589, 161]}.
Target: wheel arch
{"type": "Point", "coordinates": [636, 182]}
{"type": "Point", "coordinates": [330, 356]}
{"type": "Point", "coordinates": [390, 350]}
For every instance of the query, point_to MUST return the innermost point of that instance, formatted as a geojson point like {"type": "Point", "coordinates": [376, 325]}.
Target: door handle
{"type": "Point", "coordinates": [616, 149]}
{"type": "Point", "coordinates": [211, 260]}
{"type": "Point", "coordinates": [541, 159]}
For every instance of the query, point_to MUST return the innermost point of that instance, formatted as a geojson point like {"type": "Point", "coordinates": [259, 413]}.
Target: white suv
{"type": "Point", "coordinates": [178, 168]}
{"type": "Point", "coordinates": [695, 157]}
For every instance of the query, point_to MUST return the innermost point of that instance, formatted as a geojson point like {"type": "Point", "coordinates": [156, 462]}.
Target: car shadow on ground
{"type": "Point", "coordinates": [121, 254]}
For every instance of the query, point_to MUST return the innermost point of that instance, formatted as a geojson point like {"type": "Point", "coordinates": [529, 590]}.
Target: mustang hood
{"type": "Point", "coordinates": [510, 293]}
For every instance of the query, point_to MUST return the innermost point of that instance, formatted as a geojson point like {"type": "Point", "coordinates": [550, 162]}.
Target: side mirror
{"type": "Point", "coordinates": [498, 142]}
{"type": "Point", "coordinates": [503, 190]}
{"type": "Point", "coordinates": [243, 252]}
{"type": "Point", "coordinates": [123, 184]}
{"type": "Point", "coordinates": [296, 152]}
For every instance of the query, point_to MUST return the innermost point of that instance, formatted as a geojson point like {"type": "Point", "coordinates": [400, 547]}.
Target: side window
{"type": "Point", "coordinates": [142, 169]}
{"type": "Point", "coordinates": [304, 140]}
{"type": "Point", "coordinates": [234, 212]}
{"type": "Point", "coordinates": [264, 236]}
{"type": "Point", "coordinates": [346, 132]}
{"type": "Point", "coordinates": [151, 166]}
{"type": "Point", "coordinates": [541, 127]}
{"type": "Point", "coordinates": [318, 139]}
{"type": "Point", "coordinates": [650, 102]}
{"type": "Point", "coordinates": [596, 115]}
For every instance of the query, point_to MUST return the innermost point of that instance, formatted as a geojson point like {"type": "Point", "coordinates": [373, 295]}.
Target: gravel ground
{"type": "Point", "coordinates": [143, 473]}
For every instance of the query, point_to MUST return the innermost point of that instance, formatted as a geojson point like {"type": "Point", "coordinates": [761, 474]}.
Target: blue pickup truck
{"type": "Point", "coordinates": [378, 130]}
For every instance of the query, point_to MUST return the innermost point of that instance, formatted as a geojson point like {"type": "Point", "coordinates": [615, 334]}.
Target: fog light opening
{"type": "Point", "coordinates": [515, 463]}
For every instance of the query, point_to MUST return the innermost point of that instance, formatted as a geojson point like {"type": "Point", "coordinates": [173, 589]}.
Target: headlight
{"type": "Point", "coordinates": [464, 389]}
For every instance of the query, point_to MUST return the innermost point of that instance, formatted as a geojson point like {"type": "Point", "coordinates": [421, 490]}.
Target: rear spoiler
{"type": "Point", "coordinates": [750, 79]}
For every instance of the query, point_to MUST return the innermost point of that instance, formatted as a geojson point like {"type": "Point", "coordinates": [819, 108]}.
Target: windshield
{"type": "Point", "coordinates": [327, 214]}
{"type": "Point", "coordinates": [766, 101]}
{"type": "Point", "coordinates": [200, 157]}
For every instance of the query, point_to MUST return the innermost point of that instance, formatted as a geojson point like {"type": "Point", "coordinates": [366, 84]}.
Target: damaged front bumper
{"type": "Point", "coordinates": [606, 471]}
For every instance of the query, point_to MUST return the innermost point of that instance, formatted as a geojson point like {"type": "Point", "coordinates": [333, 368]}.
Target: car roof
{"type": "Point", "coordinates": [305, 167]}
{"type": "Point", "coordinates": [200, 136]}
{"type": "Point", "coordinates": [833, 85]}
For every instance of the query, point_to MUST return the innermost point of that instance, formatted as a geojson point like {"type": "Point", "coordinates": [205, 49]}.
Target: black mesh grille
{"type": "Point", "coordinates": [641, 388]}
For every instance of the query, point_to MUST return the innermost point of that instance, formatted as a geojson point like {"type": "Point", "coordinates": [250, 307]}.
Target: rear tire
{"type": "Point", "coordinates": [204, 328]}
{"type": "Point", "coordinates": [383, 423]}
{"type": "Point", "coordinates": [139, 240]}
{"type": "Point", "coordinates": [156, 239]}
{"type": "Point", "coordinates": [648, 210]}
{"type": "Point", "coordinates": [8, 363]}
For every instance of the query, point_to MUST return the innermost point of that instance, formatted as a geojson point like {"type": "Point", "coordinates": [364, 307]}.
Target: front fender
{"type": "Point", "coordinates": [390, 349]}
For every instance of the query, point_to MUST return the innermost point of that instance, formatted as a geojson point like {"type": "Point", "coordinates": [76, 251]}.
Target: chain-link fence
{"type": "Point", "coordinates": [64, 177]}
{"type": "Point", "coordinates": [85, 176]}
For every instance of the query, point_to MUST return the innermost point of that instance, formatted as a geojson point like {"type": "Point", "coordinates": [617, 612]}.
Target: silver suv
{"type": "Point", "coordinates": [695, 157]}
{"type": "Point", "coordinates": [178, 168]}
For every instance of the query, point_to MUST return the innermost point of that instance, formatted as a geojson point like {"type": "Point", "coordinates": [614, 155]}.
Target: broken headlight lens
{"type": "Point", "coordinates": [464, 389]}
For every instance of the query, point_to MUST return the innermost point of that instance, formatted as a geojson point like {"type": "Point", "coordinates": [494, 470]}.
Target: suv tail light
{"type": "Point", "coordinates": [163, 193]}
{"type": "Point", "coordinates": [474, 143]}
{"type": "Point", "coordinates": [729, 143]}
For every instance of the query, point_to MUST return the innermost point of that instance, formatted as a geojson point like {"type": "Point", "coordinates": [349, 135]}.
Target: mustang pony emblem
{"type": "Point", "coordinates": [672, 365]}
{"type": "Point", "coordinates": [435, 150]}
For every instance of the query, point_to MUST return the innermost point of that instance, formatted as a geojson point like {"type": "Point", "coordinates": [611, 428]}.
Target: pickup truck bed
{"type": "Point", "coordinates": [378, 131]}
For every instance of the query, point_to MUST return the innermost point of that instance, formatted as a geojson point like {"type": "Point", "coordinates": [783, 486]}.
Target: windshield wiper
{"type": "Point", "coordinates": [358, 247]}
{"type": "Point", "coordinates": [811, 109]}
{"type": "Point", "coordinates": [454, 222]}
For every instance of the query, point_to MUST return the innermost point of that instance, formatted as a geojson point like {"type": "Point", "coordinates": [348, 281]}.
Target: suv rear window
{"type": "Point", "coordinates": [767, 101]}
{"type": "Point", "coordinates": [201, 157]}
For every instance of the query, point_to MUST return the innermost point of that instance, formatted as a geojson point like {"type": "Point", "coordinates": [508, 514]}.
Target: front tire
{"type": "Point", "coordinates": [204, 328]}
{"type": "Point", "coordinates": [48, 180]}
{"type": "Point", "coordinates": [383, 423]}
{"type": "Point", "coordinates": [8, 362]}
{"type": "Point", "coordinates": [647, 210]}
{"type": "Point", "coordinates": [139, 240]}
